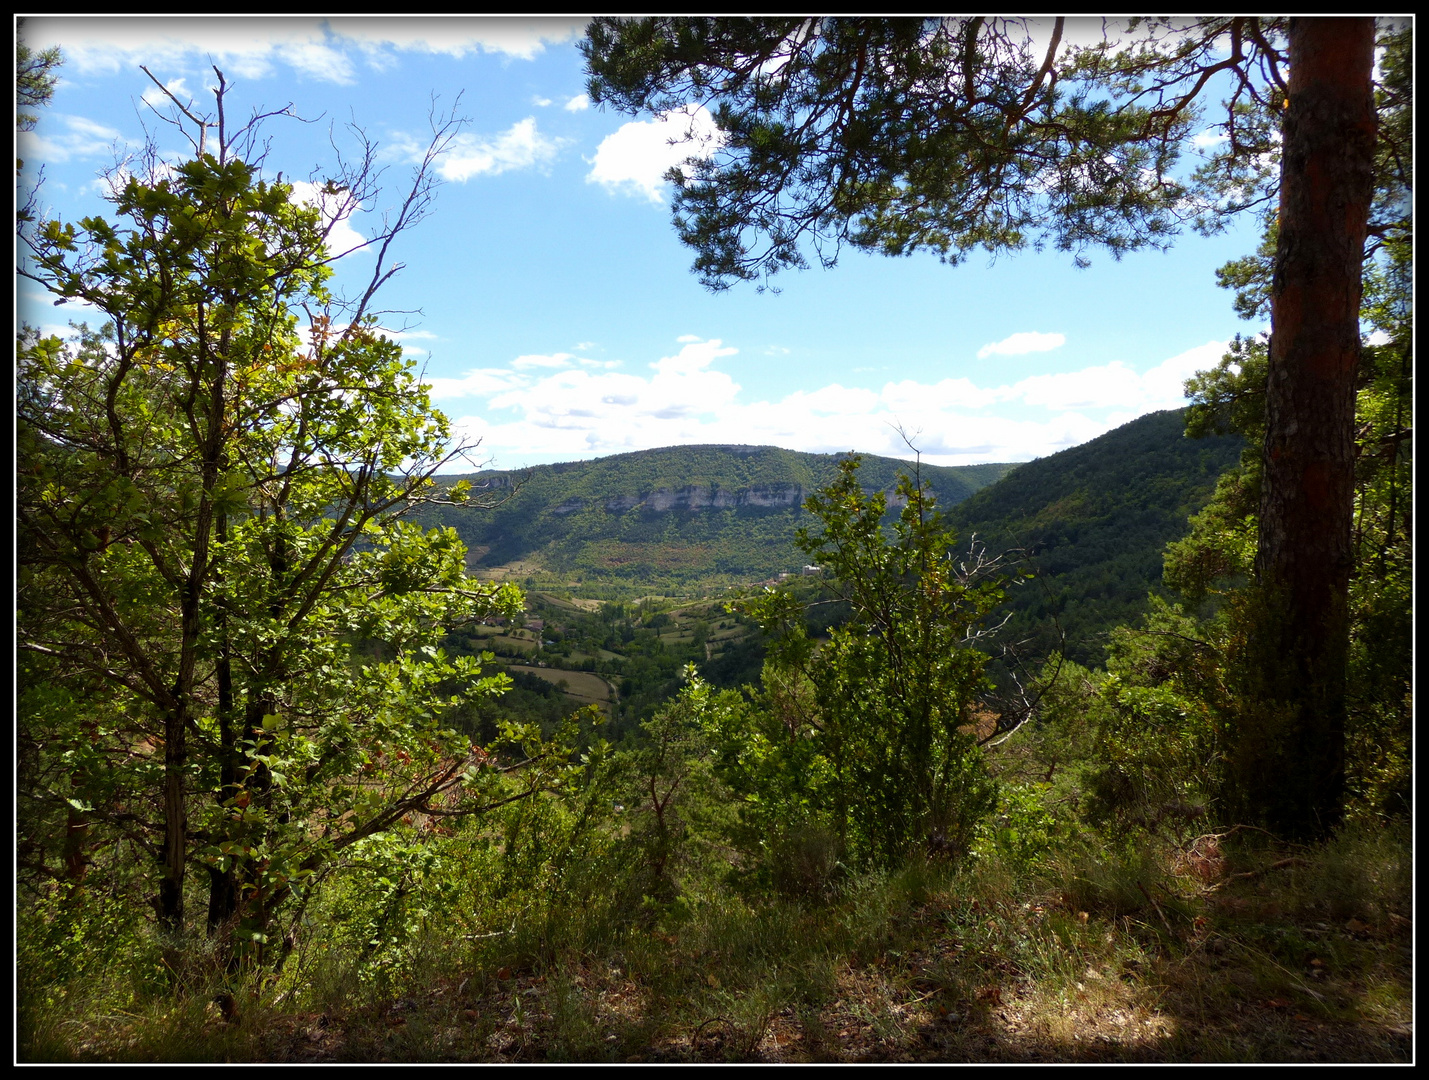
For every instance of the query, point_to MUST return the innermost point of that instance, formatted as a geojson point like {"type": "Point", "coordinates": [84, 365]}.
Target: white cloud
{"type": "Point", "coordinates": [541, 102]}
{"type": "Point", "coordinates": [249, 46]}
{"type": "Point", "coordinates": [570, 412]}
{"type": "Point", "coordinates": [635, 158]}
{"type": "Point", "coordinates": [520, 146]}
{"type": "Point", "coordinates": [519, 37]}
{"type": "Point", "coordinates": [77, 137]}
{"type": "Point", "coordinates": [154, 97]}
{"type": "Point", "coordinates": [113, 180]}
{"type": "Point", "coordinates": [1164, 385]}
{"type": "Point", "coordinates": [908, 396]}
{"type": "Point", "coordinates": [1115, 385]}
{"type": "Point", "coordinates": [243, 47]}
{"type": "Point", "coordinates": [1021, 344]}
{"type": "Point", "coordinates": [342, 236]}
{"type": "Point", "coordinates": [1077, 31]}
{"type": "Point", "coordinates": [683, 338]}
{"type": "Point", "coordinates": [578, 103]}
{"type": "Point", "coordinates": [1109, 385]}
{"type": "Point", "coordinates": [480, 382]}
{"type": "Point", "coordinates": [319, 60]}
{"type": "Point", "coordinates": [556, 360]}
{"type": "Point", "coordinates": [35, 306]}
{"type": "Point", "coordinates": [402, 337]}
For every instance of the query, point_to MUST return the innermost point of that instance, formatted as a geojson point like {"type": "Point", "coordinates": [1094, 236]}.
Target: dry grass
{"type": "Point", "coordinates": [1207, 952]}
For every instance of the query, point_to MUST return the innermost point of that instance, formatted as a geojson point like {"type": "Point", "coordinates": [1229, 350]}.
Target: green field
{"type": "Point", "coordinates": [582, 686]}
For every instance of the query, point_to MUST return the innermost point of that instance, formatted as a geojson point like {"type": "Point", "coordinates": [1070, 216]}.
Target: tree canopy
{"type": "Point", "coordinates": [946, 135]}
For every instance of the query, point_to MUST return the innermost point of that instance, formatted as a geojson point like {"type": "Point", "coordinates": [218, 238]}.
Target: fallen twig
{"type": "Point", "coordinates": [1152, 901]}
{"type": "Point", "coordinates": [1294, 860]}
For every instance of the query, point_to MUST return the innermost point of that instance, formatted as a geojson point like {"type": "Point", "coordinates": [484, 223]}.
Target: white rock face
{"type": "Point", "coordinates": [780, 495]}
{"type": "Point", "coordinates": [696, 497]}
{"type": "Point", "coordinates": [700, 498]}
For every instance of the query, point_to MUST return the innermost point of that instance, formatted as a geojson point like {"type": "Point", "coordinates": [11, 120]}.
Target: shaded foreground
{"type": "Point", "coordinates": [1212, 950]}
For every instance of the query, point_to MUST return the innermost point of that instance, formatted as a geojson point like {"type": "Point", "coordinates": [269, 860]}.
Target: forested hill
{"type": "Point", "coordinates": [1096, 518]}
{"type": "Point", "coordinates": [679, 516]}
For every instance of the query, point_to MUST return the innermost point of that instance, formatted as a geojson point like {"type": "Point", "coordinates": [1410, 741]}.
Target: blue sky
{"type": "Point", "coordinates": [559, 319]}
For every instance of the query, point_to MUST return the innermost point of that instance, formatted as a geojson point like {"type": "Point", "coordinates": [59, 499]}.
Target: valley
{"type": "Point", "coordinates": [629, 562]}
{"type": "Point", "coordinates": [681, 521]}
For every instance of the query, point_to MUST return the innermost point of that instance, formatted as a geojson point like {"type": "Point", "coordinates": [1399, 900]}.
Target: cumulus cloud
{"type": "Point", "coordinates": [636, 157]}
{"type": "Point", "coordinates": [115, 179]}
{"type": "Point", "coordinates": [1165, 384]}
{"type": "Point", "coordinates": [1020, 344]}
{"type": "Point", "coordinates": [555, 409]}
{"type": "Point", "coordinates": [579, 103]}
{"type": "Point", "coordinates": [38, 309]}
{"type": "Point", "coordinates": [246, 48]}
{"type": "Point", "coordinates": [319, 60]}
{"type": "Point", "coordinates": [1109, 385]}
{"type": "Point", "coordinates": [520, 146]}
{"type": "Point", "coordinates": [1118, 386]}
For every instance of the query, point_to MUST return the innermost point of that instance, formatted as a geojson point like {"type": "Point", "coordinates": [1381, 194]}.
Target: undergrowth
{"type": "Point", "coordinates": [1225, 947]}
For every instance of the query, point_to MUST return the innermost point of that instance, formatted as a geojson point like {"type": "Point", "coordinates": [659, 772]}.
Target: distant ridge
{"type": "Point", "coordinates": [678, 515]}
{"type": "Point", "coordinates": [696, 519]}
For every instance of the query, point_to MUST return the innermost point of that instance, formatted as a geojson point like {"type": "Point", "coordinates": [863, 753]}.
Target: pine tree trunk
{"type": "Point", "coordinates": [1295, 770]}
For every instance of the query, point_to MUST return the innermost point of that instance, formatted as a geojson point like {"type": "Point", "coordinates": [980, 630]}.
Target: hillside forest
{"type": "Point", "coordinates": [328, 752]}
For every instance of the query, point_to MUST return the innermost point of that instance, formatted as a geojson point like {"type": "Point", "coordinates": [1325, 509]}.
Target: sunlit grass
{"type": "Point", "coordinates": [1102, 954]}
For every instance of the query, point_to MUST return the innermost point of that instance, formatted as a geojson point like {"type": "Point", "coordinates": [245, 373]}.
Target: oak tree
{"type": "Point", "coordinates": [873, 735]}
{"type": "Point", "coordinates": [212, 500]}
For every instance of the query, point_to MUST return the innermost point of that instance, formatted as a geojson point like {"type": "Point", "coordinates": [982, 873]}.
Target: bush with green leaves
{"type": "Point", "coordinates": [1025, 830]}
{"type": "Point", "coordinates": [534, 872]}
{"type": "Point", "coordinates": [869, 735]}
{"type": "Point", "coordinates": [675, 807]}
{"type": "Point", "coordinates": [1143, 740]}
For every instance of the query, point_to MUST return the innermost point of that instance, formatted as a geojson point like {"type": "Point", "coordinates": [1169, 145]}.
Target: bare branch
{"type": "Point", "coordinates": [202, 123]}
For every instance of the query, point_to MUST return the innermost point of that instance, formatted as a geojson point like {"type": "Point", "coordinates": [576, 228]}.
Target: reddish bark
{"type": "Point", "coordinates": [1307, 505]}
